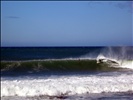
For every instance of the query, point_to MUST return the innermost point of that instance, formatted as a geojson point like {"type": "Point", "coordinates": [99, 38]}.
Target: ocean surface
{"type": "Point", "coordinates": [37, 53]}
{"type": "Point", "coordinates": [68, 73]}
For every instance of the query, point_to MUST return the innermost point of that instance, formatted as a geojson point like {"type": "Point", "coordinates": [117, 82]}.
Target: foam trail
{"type": "Point", "coordinates": [68, 85]}
{"type": "Point", "coordinates": [127, 64]}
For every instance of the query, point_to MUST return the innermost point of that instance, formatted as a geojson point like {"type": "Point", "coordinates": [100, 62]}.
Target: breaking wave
{"type": "Point", "coordinates": [112, 59]}
{"type": "Point", "coordinates": [123, 56]}
{"type": "Point", "coordinates": [114, 67]}
{"type": "Point", "coordinates": [61, 65]}
{"type": "Point", "coordinates": [67, 85]}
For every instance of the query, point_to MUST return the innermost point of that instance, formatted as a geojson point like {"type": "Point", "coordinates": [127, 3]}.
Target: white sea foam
{"type": "Point", "coordinates": [71, 85]}
{"type": "Point", "coordinates": [68, 85]}
{"type": "Point", "coordinates": [127, 64]}
{"type": "Point", "coordinates": [115, 62]}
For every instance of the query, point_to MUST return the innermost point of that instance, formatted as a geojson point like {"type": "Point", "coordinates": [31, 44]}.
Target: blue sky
{"type": "Point", "coordinates": [66, 23]}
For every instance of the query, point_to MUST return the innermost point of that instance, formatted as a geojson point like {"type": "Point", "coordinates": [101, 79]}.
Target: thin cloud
{"type": "Point", "coordinates": [128, 5]}
{"type": "Point", "coordinates": [124, 5]}
{"type": "Point", "coordinates": [13, 17]}
{"type": "Point", "coordinates": [94, 2]}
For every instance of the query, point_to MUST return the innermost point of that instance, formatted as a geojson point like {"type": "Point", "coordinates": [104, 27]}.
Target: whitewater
{"type": "Point", "coordinates": [91, 85]}
{"type": "Point", "coordinates": [56, 85]}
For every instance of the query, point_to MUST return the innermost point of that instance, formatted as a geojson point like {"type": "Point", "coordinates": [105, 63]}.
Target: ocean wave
{"type": "Point", "coordinates": [68, 85]}
{"type": "Point", "coordinates": [58, 65]}
{"type": "Point", "coordinates": [113, 67]}
{"type": "Point", "coordinates": [119, 63]}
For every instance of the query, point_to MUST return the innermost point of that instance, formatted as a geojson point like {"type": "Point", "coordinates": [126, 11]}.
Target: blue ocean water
{"type": "Point", "coordinates": [35, 53]}
{"type": "Point", "coordinates": [44, 86]}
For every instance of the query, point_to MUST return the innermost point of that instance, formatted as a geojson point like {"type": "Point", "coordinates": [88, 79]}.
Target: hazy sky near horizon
{"type": "Point", "coordinates": [66, 23]}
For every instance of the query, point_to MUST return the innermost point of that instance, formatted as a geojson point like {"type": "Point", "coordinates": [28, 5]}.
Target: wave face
{"type": "Point", "coordinates": [67, 85]}
{"type": "Point", "coordinates": [77, 65]}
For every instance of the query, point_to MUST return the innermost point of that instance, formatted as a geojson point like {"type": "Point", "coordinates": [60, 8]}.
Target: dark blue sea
{"type": "Point", "coordinates": [68, 73]}
{"type": "Point", "coordinates": [36, 53]}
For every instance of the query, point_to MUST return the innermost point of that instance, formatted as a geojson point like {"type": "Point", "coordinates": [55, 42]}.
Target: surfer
{"type": "Point", "coordinates": [102, 59]}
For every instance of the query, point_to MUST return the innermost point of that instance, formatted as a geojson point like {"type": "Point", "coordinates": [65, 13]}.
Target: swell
{"type": "Point", "coordinates": [55, 65]}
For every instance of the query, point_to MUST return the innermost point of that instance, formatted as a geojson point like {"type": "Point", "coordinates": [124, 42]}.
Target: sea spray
{"type": "Point", "coordinates": [91, 55]}
{"type": "Point", "coordinates": [118, 52]}
{"type": "Point", "coordinates": [123, 56]}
